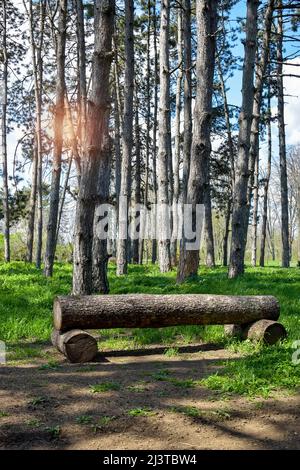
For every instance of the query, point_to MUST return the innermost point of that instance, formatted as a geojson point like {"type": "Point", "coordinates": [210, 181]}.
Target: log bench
{"type": "Point", "coordinates": [253, 317]}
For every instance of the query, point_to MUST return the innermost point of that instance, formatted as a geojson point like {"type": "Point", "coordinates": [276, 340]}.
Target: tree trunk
{"type": "Point", "coordinates": [282, 147]}
{"type": "Point", "coordinates": [266, 186]}
{"type": "Point", "coordinates": [151, 311]}
{"type": "Point", "coordinates": [163, 144]}
{"type": "Point", "coordinates": [198, 183]}
{"type": "Point", "coordinates": [82, 94]}
{"type": "Point", "coordinates": [36, 183]}
{"type": "Point", "coordinates": [97, 111]}
{"type": "Point", "coordinates": [63, 197]}
{"type": "Point", "coordinates": [4, 139]}
{"type": "Point", "coordinates": [226, 233]}
{"type": "Point", "coordinates": [255, 213]}
{"type": "Point", "coordinates": [100, 254]}
{"type": "Point", "coordinates": [258, 95]}
{"type": "Point", "coordinates": [117, 133]}
{"type": "Point", "coordinates": [177, 140]}
{"type": "Point", "coordinates": [127, 141]}
{"type": "Point", "coordinates": [137, 189]}
{"type": "Point", "coordinates": [187, 96]}
{"type": "Point", "coordinates": [209, 233]}
{"type": "Point", "coordinates": [253, 190]}
{"type": "Point", "coordinates": [272, 241]}
{"type": "Point", "coordinates": [59, 114]}
{"type": "Point", "coordinates": [154, 135]}
{"type": "Point", "coordinates": [148, 102]}
{"type": "Point", "coordinates": [240, 203]}
{"type": "Point", "coordinates": [32, 204]}
{"type": "Point", "coordinates": [39, 94]}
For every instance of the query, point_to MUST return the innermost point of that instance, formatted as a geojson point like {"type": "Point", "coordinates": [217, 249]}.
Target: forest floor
{"type": "Point", "coordinates": [172, 388]}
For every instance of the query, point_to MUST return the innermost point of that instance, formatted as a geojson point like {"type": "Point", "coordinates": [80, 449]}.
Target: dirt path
{"type": "Point", "coordinates": [148, 404]}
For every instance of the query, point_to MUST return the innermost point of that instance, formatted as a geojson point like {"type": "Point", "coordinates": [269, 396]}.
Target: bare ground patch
{"type": "Point", "coordinates": [137, 400]}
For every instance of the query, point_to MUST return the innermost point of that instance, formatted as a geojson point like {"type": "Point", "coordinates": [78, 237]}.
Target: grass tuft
{"type": "Point", "coordinates": [104, 387]}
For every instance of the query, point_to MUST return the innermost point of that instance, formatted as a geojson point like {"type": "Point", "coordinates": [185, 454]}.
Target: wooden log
{"type": "Point", "coordinates": [76, 345]}
{"type": "Point", "coordinates": [146, 311]}
{"type": "Point", "coordinates": [268, 331]}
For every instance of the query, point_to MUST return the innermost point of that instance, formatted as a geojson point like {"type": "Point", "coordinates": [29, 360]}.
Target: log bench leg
{"type": "Point", "coordinates": [268, 331]}
{"type": "Point", "coordinates": [76, 345]}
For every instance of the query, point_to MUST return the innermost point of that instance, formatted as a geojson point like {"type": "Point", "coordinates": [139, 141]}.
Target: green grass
{"type": "Point", "coordinates": [140, 412]}
{"type": "Point", "coordinates": [26, 299]}
{"type": "Point", "coordinates": [102, 423]}
{"type": "Point", "coordinates": [38, 401]}
{"type": "Point", "coordinates": [171, 352]}
{"type": "Point", "coordinates": [51, 365]}
{"type": "Point", "coordinates": [138, 387]}
{"type": "Point", "coordinates": [84, 419]}
{"type": "Point", "coordinates": [193, 412]}
{"type": "Point", "coordinates": [54, 431]}
{"type": "Point", "coordinates": [104, 387]}
{"type": "Point", "coordinates": [34, 423]}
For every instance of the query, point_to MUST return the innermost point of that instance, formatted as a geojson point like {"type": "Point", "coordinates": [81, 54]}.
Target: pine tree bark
{"type": "Point", "coordinates": [240, 202]}
{"type": "Point", "coordinates": [63, 196]}
{"type": "Point", "coordinates": [163, 144]}
{"type": "Point", "coordinates": [59, 115]}
{"type": "Point", "coordinates": [258, 94]}
{"type": "Point", "coordinates": [97, 110]}
{"type": "Point", "coordinates": [198, 183]}
{"type": "Point", "coordinates": [266, 186]}
{"type": "Point", "coordinates": [118, 112]}
{"type": "Point", "coordinates": [36, 183]}
{"type": "Point", "coordinates": [208, 229]}
{"type": "Point", "coordinates": [82, 92]}
{"type": "Point", "coordinates": [285, 262]}
{"type": "Point", "coordinates": [100, 254]}
{"type": "Point", "coordinates": [6, 211]}
{"type": "Point", "coordinates": [148, 103]}
{"type": "Point", "coordinates": [187, 96]}
{"type": "Point", "coordinates": [254, 137]}
{"type": "Point", "coordinates": [137, 184]}
{"type": "Point", "coordinates": [39, 88]}
{"type": "Point", "coordinates": [177, 153]}
{"type": "Point", "coordinates": [226, 233]}
{"type": "Point", "coordinates": [255, 212]}
{"type": "Point", "coordinates": [127, 141]}
{"type": "Point", "coordinates": [154, 134]}
{"type": "Point", "coordinates": [32, 205]}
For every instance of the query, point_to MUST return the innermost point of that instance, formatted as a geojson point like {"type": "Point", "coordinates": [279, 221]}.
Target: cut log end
{"type": "Point", "coordinates": [268, 331]}
{"type": "Point", "coordinates": [76, 345]}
